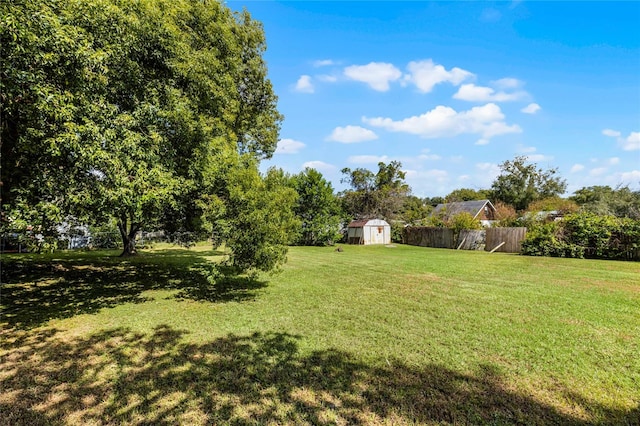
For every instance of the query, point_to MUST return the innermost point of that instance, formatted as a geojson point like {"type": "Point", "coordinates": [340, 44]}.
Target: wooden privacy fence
{"type": "Point", "coordinates": [427, 236]}
{"type": "Point", "coordinates": [507, 240]}
{"type": "Point", "coordinates": [471, 239]}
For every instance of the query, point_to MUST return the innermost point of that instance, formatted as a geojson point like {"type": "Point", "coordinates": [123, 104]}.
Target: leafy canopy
{"type": "Point", "coordinates": [317, 208]}
{"type": "Point", "coordinates": [521, 183]}
{"type": "Point", "coordinates": [468, 194]}
{"type": "Point", "coordinates": [604, 200]}
{"type": "Point", "coordinates": [138, 111]}
{"type": "Point", "coordinates": [379, 195]}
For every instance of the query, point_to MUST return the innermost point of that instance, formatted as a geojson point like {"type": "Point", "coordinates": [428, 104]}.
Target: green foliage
{"type": "Point", "coordinates": [467, 194]}
{"type": "Point", "coordinates": [438, 220]}
{"type": "Point", "coordinates": [105, 235]}
{"type": "Point", "coordinates": [457, 222]}
{"type": "Point", "coordinates": [434, 201]}
{"type": "Point", "coordinates": [254, 217]}
{"type": "Point", "coordinates": [506, 215]}
{"type": "Point", "coordinates": [397, 231]}
{"type": "Point", "coordinates": [555, 203]}
{"type": "Point", "coordinates": [603, 200]}
{"type": "Point", "coordinates": [380, 195]}
{"type": "Point", "coordinates": [415, 210]}
{"type": "Point", "coordinates": [462, 221]}
{"type": "Point", "coordinates": [584, 235]}
{"type": "Point", "coordinates": [136, 111]}
{"type": "Point", "coordinates": [34, 227]}
{"type": "Point", "coordinates": [317, 208]}
{"type": "Point", "coordinates": [545, 239]}
{"type": "Point", "coordinates": [521, 183]}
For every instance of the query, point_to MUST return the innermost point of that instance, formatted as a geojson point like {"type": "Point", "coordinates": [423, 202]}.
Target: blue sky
{"type": "Point", "coordinates": [452, 89]}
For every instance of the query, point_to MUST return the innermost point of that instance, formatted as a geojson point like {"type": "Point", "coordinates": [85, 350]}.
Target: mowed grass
{"type": "Point", "coordinates": [371, 335]}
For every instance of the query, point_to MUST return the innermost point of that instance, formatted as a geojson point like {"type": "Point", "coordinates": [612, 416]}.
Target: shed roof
{"type": "Point", "coordinates": [472, 207]}
{"type": "Point", "coordinates": [363, 222]}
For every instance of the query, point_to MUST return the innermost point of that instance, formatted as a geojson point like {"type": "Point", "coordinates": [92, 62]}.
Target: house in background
{"type": "Point", "coordinates": [368, 231]}
{"type": "Point", "coordinates": [482, 210]}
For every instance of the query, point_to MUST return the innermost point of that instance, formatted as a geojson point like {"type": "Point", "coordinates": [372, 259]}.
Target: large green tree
{"type": "Point", "coordinates": [139, 111]}
{"type": "Point", "coordinates": [253, 216]}
{"type": "Point", "coordinates": [468, 194]}
{"type": "Point", "coordinates": [375, 195]}
{"type": "Point", "coordinates": [317, 208]}
{"type": "Point", "coordinates": [521, 183]}
{"type": "Point", "coordinates": [604, 200]}
{"type": "Point", "coordinates": [415, 210]}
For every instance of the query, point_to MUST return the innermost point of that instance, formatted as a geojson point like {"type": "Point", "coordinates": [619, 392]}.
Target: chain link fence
{"type": "Point", "coordinates": [33, 242]}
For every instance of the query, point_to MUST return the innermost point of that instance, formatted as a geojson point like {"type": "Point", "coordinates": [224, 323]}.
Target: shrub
{"type": "Point", "coordinates": [463, 221]}
{"type": "Point", "coordinates": [556, 203]}
{"type": "Point", "coordinates": [584, 235]}
{"type": "Point", "coordinates": [544, 239]}
{"type": "Point", "coordinates": [436, 220]}
{"type": "Point", "coordinates": [506, 215]}
{"type": "Point", "coordinates": [397, 230]}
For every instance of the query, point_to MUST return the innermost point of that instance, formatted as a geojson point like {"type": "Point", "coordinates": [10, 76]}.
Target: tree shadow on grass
{"type": "Point", "coordinates": [35, 290]}
{"type": "Point", "coordinates": [121, 377]}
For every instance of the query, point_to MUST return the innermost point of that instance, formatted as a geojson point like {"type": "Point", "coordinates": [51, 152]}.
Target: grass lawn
{"type": "Point", "coordinates": [372, 335]}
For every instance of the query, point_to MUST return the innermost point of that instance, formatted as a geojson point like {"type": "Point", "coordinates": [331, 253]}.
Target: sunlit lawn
{"type": "Point", "coordinates": [371, 335]}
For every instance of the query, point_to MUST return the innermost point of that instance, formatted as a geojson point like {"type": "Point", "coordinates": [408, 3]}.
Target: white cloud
{"type": "Point", "coordinates": [463, 178]}
{"type": "Point", "coordinates": [318, 165]}
{"type": "Point", "coordinates": [613, 161]}
{"type": "Point", "coordinates": [598, 171]}
{"type": "Point", "coordinates": [327, 78]}
{"type": "Point", "coordinates": [377, 75]}
{"type": "Point", "coordinates": [351, 134]}
{"type": "Point", "coordinates": [632, 177]}
{"type": "Point", "coordinates": [539, 157]}
{"type": "Point", "coordinates": [323, 63]}
{"type": "Point", "coordinates": [526, 149]}
{"type": "Point", "coordinates": [425, 75]}
{"type": "Point", "coordinates": [576, 168]}
{"type": "Point", "coordinates": [438, 175]}
{"type": "Point", "coordinates": [472, 93]}
{"type": "Point", "coordinates": [289, 146]}
{"type": "Point", "coordinates": [631, 142]}
{"type": "Point", "coordinates": [367, 159]}
{"type": "Point", "coordinates": [531, 108]}
{"type": "Point", "coordinates": [487, 173]}
{"type": "Point", "coordinates": [304, 84]}
{"type": "Point", "coordinates": [482, 142]}
{"type": "Point", "coordinates": [486, 121]}
{"type": "Point", "coordinates": [507, 83]}
{"type": "Point", "coordinates": [429, 182]}
{"type": "Point", "coordinates": [611, 133]}
{"type": "Point", "coordinates": [429, 157]}
{"type": "Point", "coordinates": [488, 167]}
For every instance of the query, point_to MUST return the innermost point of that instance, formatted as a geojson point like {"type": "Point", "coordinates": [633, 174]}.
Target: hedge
{"type": "Point", "coordinates": [585, 235]}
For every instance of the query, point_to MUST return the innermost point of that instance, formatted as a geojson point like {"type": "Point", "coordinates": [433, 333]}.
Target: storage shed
{"type": "Point", "coordinates": [369, 231]}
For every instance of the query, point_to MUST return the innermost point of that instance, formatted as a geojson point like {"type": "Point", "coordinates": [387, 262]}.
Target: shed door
{"type": "Point", "coordinates": [377, 235]}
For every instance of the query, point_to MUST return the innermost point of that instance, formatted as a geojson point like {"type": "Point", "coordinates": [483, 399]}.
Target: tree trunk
{"type": "Point", "coordinates": [128, 238]}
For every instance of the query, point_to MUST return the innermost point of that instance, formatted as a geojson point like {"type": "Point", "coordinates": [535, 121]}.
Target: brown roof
{"type": "Point", "coordinates": [357, 223]}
